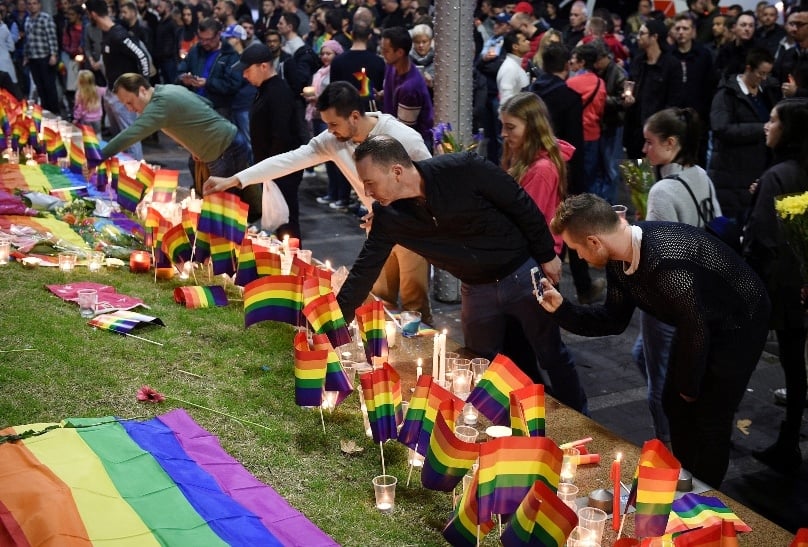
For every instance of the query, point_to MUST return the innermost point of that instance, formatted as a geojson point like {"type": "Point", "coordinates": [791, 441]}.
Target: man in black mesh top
{"type": "Point", "coordinates": [686, 278]}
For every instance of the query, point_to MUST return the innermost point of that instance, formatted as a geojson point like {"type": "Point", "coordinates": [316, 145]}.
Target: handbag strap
{"type": "Point", "coordinates": [692, 196]}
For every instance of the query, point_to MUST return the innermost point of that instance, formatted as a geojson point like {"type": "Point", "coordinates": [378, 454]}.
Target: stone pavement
{"type": "Point", "coordinates": [615, 388]}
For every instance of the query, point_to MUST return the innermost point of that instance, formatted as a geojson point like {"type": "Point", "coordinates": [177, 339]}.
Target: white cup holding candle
{"type": "Point", "coordinates": [95, 261]}
{"type": "Point", "coordinates": [415, 459]}
{"type": "Point", "coordinates": [466, 433]}
{"type": "Point", "coordinates": [461, 383]}
{"type": "Point", "coordinates": [67, 261]}
{"type": "Point", "coordinates": [5, 250]}
{"type": "Point", "coordinates": [470, 414]}
{"type": "Point", "coordinates": [568, 493]}
{"type": "Point", "coordinates": [569, 465]}
{"type": "Point", "coordinates": [581, 537]}
{"type": "Point", "coordinates": [384, 487]}
{"type": "Point", "coordinates": [392, 333]}
{"type": "Point", "coordinates": [594, 520]}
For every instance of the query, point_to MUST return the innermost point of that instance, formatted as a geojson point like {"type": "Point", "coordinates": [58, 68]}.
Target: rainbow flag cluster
{"type": "Point", "coordinates": [448, 458]}
{"type": "Point", "coordinates": [163, 481]}
{"type": "Point", "coordinates": [541, 518]}
{"type": "Point", "coordinates": [318, 370]}
{"type": "Point", "coordinates": [422, 412]}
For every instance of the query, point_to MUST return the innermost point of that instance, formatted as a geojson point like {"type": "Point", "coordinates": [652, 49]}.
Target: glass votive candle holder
{"type": "Point", "coordinates": [466, 433]}
{"type": "Point", "coordinates": [470, 414]}
{"type": "Point", "coordinates": [67, 261]}
{"type": "Point", "coordinates": [384, 487]}
{"type": "Point", "coordinates": [304, 255]}
{"type": "Point", "coordinates": [88, 301]}
{"type": "Point", "coordinates": [139, 262]}
{"type": "Point", "coordinates": [462, 364]}
{"type": "Point", "coordinates": [461, 383]}
{"type": "Point", "coordinates": [391, 330]}
{"type": "Point", "coordinates": [478, 366]}
{"type": "Point", "coordinates": [95, 261]}
{"type": "Point", "coordinates": [451, 356]}
{"type": "Point", "coordinates": [569, 465]}
{"type": "Point", "coordinates": [5, 250]}
{"type": "Point", "coordinates": [568, 493]}
{"type": "Point", "coordinates": [581, 537]}
{"type": "Point", "coordinates": [593, 520]}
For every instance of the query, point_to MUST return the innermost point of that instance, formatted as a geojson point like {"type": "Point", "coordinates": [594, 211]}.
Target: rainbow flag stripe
{"type": "Point", "coordinates": [696, 511]}
{"type": "Point", "coordinates": [225, 215]}
{"type": "Point", "coordinates": [463, 529]}
{"type": "Point", "coordinates": [123, 321]}
{"type": "Point", "coordinates": [175, 244]}
{"type": "Point", "coordinates": [381, 391]}
{"type": "Point", "coordinates": [145, 175]}
{"type": "Point", "coordinates": [653, 489]}
{"type": "Point", "coordinates": [335, 377]}
{"type": "Point", "coordinates": [186, 491]}
{"type": "Point", "coordinates": [165, 184]}
{"type": "Point", "coordinates": [274, 298]}
{"type": "Point", "coordinates": [54, 145]}
{"type": "Point", "coordinates": [541, 519]}
{"type": "Point", "coordinates": [200, 297]}
{"type": "Point", "coordinates": [267, 263]}
{"type": "Point", "coordinates": [422, 413]}
{"type": "Point", "coordinates": [491, 396]}
{"type": "Point", "coordinates": [130, 191]}
{"type": "Point", "coordinates": [447, 458]}
{"type": "Point", "coordinates": [77, 160]}
{"type": "Point", "coordinates": [246, 271]}
{"type": "Point", "coordinates": [91, 147]}
{"type": "Point", "coordinates": [370, 319]}
{"type": "Point", "coordinates": [310, 371]}
{"type": "Point", "coordinates": [508, 468]}
{"type": "Point", "coordinates": [527, 411]}
{"type": "Point", "coordinates": [222, 256]}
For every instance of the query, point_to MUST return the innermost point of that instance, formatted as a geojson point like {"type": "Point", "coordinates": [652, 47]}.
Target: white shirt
{"type": "Point", "coordinates": [511, 78]}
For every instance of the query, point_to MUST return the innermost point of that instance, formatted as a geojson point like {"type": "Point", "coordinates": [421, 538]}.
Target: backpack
{"type": "Point", "coordinates": [723, 228]}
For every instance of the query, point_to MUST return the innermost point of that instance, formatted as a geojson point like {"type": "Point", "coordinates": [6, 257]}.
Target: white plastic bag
{"type": "Point", "coordinates": [274, 209]}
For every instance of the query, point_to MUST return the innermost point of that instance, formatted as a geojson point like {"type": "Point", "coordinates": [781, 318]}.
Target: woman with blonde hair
{"type": "Point", "coordinates": [533, 155]}
{"type": "Point", "coordinates": [552, 36]}
{"type": "Point", "coordinates": [87, 109]}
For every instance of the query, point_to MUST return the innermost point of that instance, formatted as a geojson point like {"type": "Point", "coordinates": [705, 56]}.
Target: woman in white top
{"type": "Point", "coordinates": [6, 49]}
{"type": "Point", "coordinates": [671, 146]}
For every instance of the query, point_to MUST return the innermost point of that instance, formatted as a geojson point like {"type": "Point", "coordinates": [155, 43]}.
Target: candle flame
{"type": "Point", "coordinates": [420, 361]}
{"type": "Point", "coordinates": [619, 456]}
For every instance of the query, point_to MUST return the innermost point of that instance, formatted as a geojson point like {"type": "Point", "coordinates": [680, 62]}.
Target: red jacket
{"type": "Point", "coordinates": [593, 95]}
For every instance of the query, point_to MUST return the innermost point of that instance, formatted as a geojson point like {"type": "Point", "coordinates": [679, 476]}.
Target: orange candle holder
{"type": "Point", "coordinates": [139, 262]}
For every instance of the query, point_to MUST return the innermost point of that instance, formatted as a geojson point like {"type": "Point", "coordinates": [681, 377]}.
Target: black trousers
{"type": "Point", "coordinates": [44, 76]}
{"type": "Point", "coordinates": [791, 343]}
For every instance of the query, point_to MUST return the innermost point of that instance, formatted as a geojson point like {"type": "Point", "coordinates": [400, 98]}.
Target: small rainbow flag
{"type": "Point", "coordinates": [123, 321]}
{"type": "Point", "coordinates": [364, 83]}
{"type": "Point", "coordinates": [274, 298]}
{"type": "Point", "coordinates": [422, 413]}
{"type": "Point", "coordinates": [491, 396]}
{"type": "Point", "coordinates": [267, 263]}
{"type": "Point", "coordinates": [33, 134]}
{"type": "Point", "coordinates": [91, 147]}
{"type": "Point", "coordinates": [36, 114]}
{"type": "Point", "coordinates": [448, 458]}
{"type": "Point", "coordinates": [541, 519]}
{"type": "Point", "coordinates": [222, 256]}
{"type": "Point", "coordinates": [114, 169]}
{"type": "Point", "coordinates": [370, 319]}
{"type": "Point", "coordinates": [17, 131]}
{"type": "Point", "coordinates": [165, 184]}
{"type": "Point", "coordinates": [696, 511]}
{"type": "Point", "coordinates": [653, 489]}
{"type": "Point", "coordinates": [130, 192]}
{"type": "Point", "coordinates": [225, 215]}
{"type": "Point", "coordinates": [246, 271]}
{"type": "Point", "coordinates": [101, 178]}
{"type": "Point", "coordinates": [189, 221]}
{"type": "Point", "coordinates": [302, 268]}
{"type": "Point", "coordinates": [335, 377]}
{"type": "Point", "coordinates": [200, 297]}
{"type": "Point", "coordinates": [464, 530]}
{"type": "Point", "coordinates": [527, 411]}
{"type": "Point", "coordinates": [145, 174]}
{"type": "Point", "coordinates": [323, 313]}
{"type": "Point", "coordinates": [155, 226]}
{"type": "Point", "coordinates": [54, 145]}
{"type": "Point", "coordinates": [381, 390]}
{"type": "Point", "coordinates": [76, 154]}
{"type": "Point", "coordinates": [722, 534]}
{"type": "Point", "coordinates": [310, 370]}
{"type": "Point", "coordinates": [508, 468]}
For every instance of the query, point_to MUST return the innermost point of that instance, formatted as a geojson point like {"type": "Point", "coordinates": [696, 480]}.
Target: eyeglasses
{"type": "Point", "coordinates": [797, 24]}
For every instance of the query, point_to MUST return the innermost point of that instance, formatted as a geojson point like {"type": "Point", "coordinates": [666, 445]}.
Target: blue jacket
{"type": "Point", "coordinates": [222, 82]}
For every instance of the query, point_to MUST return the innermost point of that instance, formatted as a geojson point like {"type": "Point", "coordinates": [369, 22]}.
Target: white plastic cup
{"type": "Point", "coordinates": [88, 300]}
{"type": "Point", "coordinates": [384, 487]}
{"type": "Point", "coordinates": [5, 250]}
{"type": "Point", "coordinates": [592, 519]}
{"type": "Point", "coordinates": [466, 433]}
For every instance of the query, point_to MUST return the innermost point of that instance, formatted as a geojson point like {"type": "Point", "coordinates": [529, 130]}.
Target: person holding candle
{"type": "Point", "coordinates": [470, 218]}
{"type": "Point", "coordinates": [689, 280]}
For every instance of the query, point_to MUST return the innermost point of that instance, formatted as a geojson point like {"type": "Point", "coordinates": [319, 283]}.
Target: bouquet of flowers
{"type": "Point", "coordinates": [447, 143]}
{"type": "Point", "coordinates": [792, 209]}
{"type": "Point", "coordinates": [639, 178]}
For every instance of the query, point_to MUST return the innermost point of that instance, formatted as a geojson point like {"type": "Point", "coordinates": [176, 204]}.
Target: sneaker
{"type": "Point", "coordinates": [781, 399]}
{"type": "Point", "coordinates": [325, 200]}
{"type": "Point", "coordinates": [594, 293]}
{"type": "Point", "coordinates": [340, 204]}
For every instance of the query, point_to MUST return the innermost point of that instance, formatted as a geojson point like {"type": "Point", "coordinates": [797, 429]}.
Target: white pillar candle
{"type": "Point", "coordinates": [443, 357]}
{"type": "Point", "coordinates": [419, 369]}
{"type": "Point", "coordinates": [436, 357]}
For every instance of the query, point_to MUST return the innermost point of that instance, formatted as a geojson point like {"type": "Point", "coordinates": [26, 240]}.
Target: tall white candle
{"type": "Point", "coordinates": [443, 356]}
{"type": "Point", "coordinates": [419, 370]}
{"type": "Point", "coordinates": [435, 357]}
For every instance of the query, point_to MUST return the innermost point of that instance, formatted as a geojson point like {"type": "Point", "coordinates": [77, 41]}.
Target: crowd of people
{"type": "Point", "coordinates": [715, 98]}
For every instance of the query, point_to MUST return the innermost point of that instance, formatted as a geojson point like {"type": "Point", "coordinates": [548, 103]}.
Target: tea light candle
{"type": "Point", "coordinates": [95, 260]}
{"type": "Point", "coordinates": [469, 414]}
{"type": "Point", "coordinates": [139, 262]}
{"type": "Point", "coordinates": [185, 273]}
{"type": "Point", "coordinates": [164, 273]}
{"type": "Point", "coordinates": [67, 261]}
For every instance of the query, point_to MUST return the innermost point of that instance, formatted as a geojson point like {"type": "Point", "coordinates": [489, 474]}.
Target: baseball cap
{"type": "Point", "coordinates": [503, 17]}
{"type": "Point", "coordinates": [235, 31]}
{"type": "Point", "coordinates": [523, 7]}
{"type": "Point", "coordinates": [256, 53]}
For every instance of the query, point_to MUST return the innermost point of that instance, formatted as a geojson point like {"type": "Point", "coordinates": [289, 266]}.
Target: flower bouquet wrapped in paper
{"type": "Point", "coordinates": [639, 178]}
{"type": "Point", "coordinates": [792, 209]}
{"type": "Point", "coordinates": [446, 142]}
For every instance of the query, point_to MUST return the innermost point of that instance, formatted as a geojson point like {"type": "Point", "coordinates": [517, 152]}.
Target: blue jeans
{"type": "Point", "coordinates": [657, 338]}
{"type": "Point", "coordinates": [483, 312]}
{"type": "Point", "coordinates": [234, 159]}
{"type": "Point", "coordinates": [241, 119]}
{"type": "Point", "coordinates": [119, 119]}
{"type": "Point", "coordinates": [610, 152]}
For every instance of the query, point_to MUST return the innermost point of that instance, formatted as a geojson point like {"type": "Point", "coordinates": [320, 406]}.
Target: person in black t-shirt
{"type": "Point", "coordinates": [347, 66]}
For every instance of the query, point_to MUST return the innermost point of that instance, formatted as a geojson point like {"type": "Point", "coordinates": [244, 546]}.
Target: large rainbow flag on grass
{"type": "Point", "coordinates": [527, 411]}
{"type": "Point", "coordinates": [696, 511]}
{"type": "Point", "coordinates": [508, 468]}
{"type": "Point", "coordinates": [447, 458]}
{"type": "Point", "coordinates": [422, 412]}
{"type": "Point", "coordinates": [491, 395]}
{"type": "Point", "coordinates": [274, 298]}
{"type": "Point", "coordinates": [381, 391]}
{"type": "Point", "coordinates": [653, 489]}
{"type": "Point", "coordinates": [541, 519]}
{"type": "Point", "coordinates": [164, 481]}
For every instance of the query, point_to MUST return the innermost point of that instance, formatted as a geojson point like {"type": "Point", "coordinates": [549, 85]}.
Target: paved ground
{"type": "Point", "coordinates": [613, 384]}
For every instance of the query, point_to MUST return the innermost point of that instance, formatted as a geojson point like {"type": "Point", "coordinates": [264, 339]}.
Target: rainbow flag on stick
{"type": "Point", "coordinates": [54, 145]}
{"type": "Point", "coordinates": [527, 411]}
{"type": "Point", "coordinates": [335, 377]}
{"type": "Point", "coordinates": [274, 298]}
{"type": "Point", "coordinates": [189, 222]}
{"type": "Point", "coordinates": [653, 489]}
{"type": "Point", "coordinates": [722, 534]}
{"type": "Point", "coordinates": [114, 169]}
{"type": "Point", "coordinates": [541, 519]}
{"type": "Point", "coordinates": [175, 244]}
{"type": "Point", "coordinates": [491, 396]}
{"type": "Point", "coordinates": [696, 511]}
{"type": "Point", "coordinates": [91, 147]}
{"type": "Point", "coordinates": [464, 530]}
{"type": "Point", "coordinates": [267, 263]}
{"type": "Point", "coordinates": [101, 177]}
{"type": "Point", "coordinates": [33, 134]}
{"type": "Point", "coordinates": [508, 468]}
{"type": "Point", "coordinates": [323, 313]}
{"type": "Point", "coordinates": [145, 174]}
{"type": "Point", "coordinates": [381, 390]}
{"type": "Point", "coordinates": [155, 226]}
{"type": "Point", "coordinates": [200, 297]}
{"type": "Point", "coordinates": [36, 115]}
{"type": "Point", "coordinates": [310, 371]}
{"type": "Point", "coordinates": [76, 154]}
{"type": "Point", "coordinates": [123, 321]}
{"type": "Point", "coordinates": [225, 215]}
{"type": "Point", "coordinates": [423, 411]}
{"type": "Point", "coordinates": [370, 319]}
{"type": "Point", "coordinates": [165, 184]}
{"type": "Point", "coordinates": [130, 192]}
{"type": "Point", "coordinates": [222, 256]}
{"type": "Point", "coordinates": [246, 271]}
{"type": "Point", "coordinates": [447, 457]}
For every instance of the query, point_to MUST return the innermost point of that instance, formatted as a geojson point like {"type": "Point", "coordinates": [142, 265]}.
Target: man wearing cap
{"type": "Point", "coordinates": [273, 123]}
{"type": "Point", "coordinates": [190, 121]}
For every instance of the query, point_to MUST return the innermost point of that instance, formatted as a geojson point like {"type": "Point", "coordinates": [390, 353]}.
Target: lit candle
{"type": "Point", "coordinates": [139, 262]}
{"type": "Point", "coordinates": [390, 330]}
{"type": "Point", "coordinates": [328, 265]}
{"type": "Point", "coordinates": [469, 414]}
{"type": "Point", "coordinates": [436, 358]}
{"type": "Point", "coordinates": [419, 369]}
{"type": "Point", "coordinates": [614, 475]}
{"type": "Point", "coordinates": [286, 244]}
{"type": "Point", "coordinates": [443, 356]}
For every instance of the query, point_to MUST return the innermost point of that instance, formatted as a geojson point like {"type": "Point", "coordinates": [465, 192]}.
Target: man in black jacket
{"type": "Point", "coordinates": [166, 43]}
{"type": "Point", "coordinates": [466, 216]}
{"type": "Point", "coordinates": [273, 124]}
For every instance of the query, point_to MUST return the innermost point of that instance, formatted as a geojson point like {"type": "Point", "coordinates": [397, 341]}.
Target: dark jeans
{"type": "Point", "coordinates": [288, 186]}
{"type": "Point", "coordinates": [791, 343]}
{"type": "Point", "coordinates": [486, 307]}
{"type": "Point", "coordinates": [44, 76]}
{"type": "Point", "coordinates": [234, 159]}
